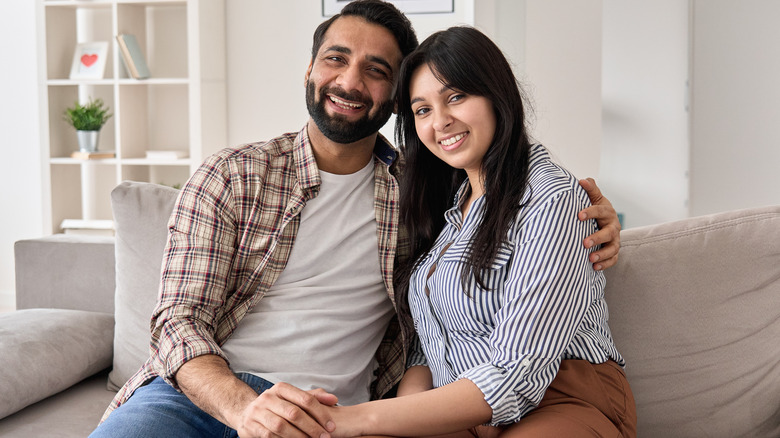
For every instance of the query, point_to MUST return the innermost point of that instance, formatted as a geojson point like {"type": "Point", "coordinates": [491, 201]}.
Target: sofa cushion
{"type": "Point", "coordinates": [695, 309]}
{"type": "Point", "coordinates": [78, 341]}
{"type": "Point", "coordinates": [141, 213]}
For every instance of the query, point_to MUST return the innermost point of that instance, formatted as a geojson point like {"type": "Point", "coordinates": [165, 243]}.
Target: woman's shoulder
{"type": "Point", "coordinates": [546, 178]}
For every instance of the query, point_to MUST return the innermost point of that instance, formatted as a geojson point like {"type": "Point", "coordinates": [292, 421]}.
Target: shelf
{"type": "Point", "coordinates": [154, 81]}
{"type": "Point", "coordinates": [109, 3]}
{"type": "Point", "coordinates": [180, 108]}
{"type": "Point", "coordinates": [78, 3]}
{"type": "Point", "coordinates": [152, 2]}
{"type": "Point", "coordinates": [149, 162]}
{"type": "Point", "coordinates": [76, 82]}
{"type": "Point", "coordinates": [71, 161]}
{"type": "Point", "coordinates": [123, 81]}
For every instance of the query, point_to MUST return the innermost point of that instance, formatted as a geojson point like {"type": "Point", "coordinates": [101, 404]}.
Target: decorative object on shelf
{"type": "Point", "coordinates": [132, 56]}
{"type": "Point", "coordinates": [89, 60]}
{"type": "Point", "coordinates": [88, 119]}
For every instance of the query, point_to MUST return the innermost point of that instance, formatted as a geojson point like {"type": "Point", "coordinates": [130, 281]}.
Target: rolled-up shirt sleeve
{"type": "Point", "coordinates": [549, 287]}
{"type": "Point", "coordinates": [416, 356]}
{"type": "Point", "coordinates": [195, 272]}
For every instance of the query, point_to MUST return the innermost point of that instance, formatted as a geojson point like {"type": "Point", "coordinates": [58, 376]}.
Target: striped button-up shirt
{"type": "Point", "coordinates": [230, 236]}
{"type": "Point", "coordinates": [545, 302]}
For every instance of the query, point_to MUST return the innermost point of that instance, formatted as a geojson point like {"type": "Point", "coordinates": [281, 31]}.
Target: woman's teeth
{"type": "Point", "coordinates": [452, 140]}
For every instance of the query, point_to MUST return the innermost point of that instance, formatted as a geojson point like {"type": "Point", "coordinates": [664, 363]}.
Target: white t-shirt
{"type": "Point", "coordinates": [322, 321]}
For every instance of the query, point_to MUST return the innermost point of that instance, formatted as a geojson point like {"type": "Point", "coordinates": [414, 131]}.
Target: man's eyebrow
{"type": "Point", "coordinates": [372, 58]}
{"type": "Point", "coordinates": [340, 49]}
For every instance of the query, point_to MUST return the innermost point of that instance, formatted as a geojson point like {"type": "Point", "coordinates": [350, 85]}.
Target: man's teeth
{"type": "Point", "coordinates": [452, 140]}
{"type": "Point", "coordinates": [338, 101]}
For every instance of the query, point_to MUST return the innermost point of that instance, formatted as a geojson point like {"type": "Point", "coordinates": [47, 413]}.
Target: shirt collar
{"type": "Point", "coordinates": [306, 166]}
{"type": "Point", "coordinates": [384, 151]}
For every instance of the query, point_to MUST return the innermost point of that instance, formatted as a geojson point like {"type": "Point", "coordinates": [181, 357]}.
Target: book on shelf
{"type": "Point", "coordinates": [132, 56]}
{"type": "Point", "coordinates": [166, 155]}
{"type": "Point", "coordinates": [80, 155]}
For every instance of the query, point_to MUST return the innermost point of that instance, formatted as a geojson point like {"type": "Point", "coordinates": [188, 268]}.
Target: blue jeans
{"type": "Point", "coordinates": [158, 410]}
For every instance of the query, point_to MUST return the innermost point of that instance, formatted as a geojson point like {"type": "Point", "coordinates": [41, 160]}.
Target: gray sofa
{"type": "Point", "coordinates": [694, 307]}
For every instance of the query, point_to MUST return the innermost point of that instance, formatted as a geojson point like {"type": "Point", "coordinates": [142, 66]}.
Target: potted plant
{"type": "Point", "coordinates": [88, 119]}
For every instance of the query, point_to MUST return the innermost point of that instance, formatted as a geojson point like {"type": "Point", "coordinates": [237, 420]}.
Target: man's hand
{"type": "Point", "coordinates": [608, 235]}
{"type": "Point", "coordinates": [282, 410]}
{"type": "Point", "coordinates": [287, 411]}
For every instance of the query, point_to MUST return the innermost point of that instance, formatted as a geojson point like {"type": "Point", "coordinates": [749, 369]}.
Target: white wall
{"type": "Point", "coordinates": [735, 154]}
{"type": "Point", "coordinates": [563, 75]}
{"type": "Point", "coordinates": [20, 166]}
{"type": "Point", "coordinates": [644, 160]}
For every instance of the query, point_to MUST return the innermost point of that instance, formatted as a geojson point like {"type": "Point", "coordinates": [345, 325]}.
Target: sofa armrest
{"type": "Point", "coordinates": [65, 271]}
{"type": "Point", "coordinates": [45, 351]}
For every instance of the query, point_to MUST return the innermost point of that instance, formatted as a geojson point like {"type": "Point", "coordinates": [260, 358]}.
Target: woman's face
{"type": "Point", "coordinates": [456, 127]}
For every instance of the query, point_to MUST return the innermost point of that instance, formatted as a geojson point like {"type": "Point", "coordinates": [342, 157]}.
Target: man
{"type": "Point", "coordinates": [240, 307]}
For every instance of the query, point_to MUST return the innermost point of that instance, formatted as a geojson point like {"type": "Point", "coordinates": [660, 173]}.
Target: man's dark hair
{"type": "Point", "coordinates": [374, 11]}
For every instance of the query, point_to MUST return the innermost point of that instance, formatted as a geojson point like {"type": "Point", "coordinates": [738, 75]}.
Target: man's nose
{"type": "Point", "coordinates": [351, 79]}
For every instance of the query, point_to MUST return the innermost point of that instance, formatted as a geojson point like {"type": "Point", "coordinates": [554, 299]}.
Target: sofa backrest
{"type": "Point", "coordinates": [695, 309]}
{"type": "Point", "coordinates": [141, 212]}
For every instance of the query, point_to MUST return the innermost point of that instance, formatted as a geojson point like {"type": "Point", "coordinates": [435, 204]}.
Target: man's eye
{"type": "Point", "coordinates": [378, 71]}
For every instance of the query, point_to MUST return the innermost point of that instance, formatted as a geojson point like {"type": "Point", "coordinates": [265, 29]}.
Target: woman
{"type": "Point", "coordinates": [510, 315]}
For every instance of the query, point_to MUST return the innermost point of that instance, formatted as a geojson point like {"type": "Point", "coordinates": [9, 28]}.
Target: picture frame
{"type": "Point", "coordinates": [89, 60]}
{"type": "Point", "coordinates": [333, 7]}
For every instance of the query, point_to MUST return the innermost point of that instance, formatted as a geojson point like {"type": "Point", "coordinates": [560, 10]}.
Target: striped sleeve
{"type": "Point", "coordinates": [416, 356]}
{"type": "Point", "coordinates": [548, 290]}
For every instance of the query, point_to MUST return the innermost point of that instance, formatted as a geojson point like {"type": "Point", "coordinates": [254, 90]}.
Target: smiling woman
{"type": "Point", "coordinates": [510, 315]}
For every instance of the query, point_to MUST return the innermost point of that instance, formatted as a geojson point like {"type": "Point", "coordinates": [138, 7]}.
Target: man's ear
{"type": "Point", "coordinates": [308, 73]}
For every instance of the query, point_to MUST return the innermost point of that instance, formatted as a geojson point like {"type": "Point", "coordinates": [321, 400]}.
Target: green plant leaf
{"type": "Point", "coordinates": [89, 117]}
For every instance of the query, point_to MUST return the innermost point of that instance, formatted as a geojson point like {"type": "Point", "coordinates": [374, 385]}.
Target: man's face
{"type": "Point", "coordinates": [349, 85]}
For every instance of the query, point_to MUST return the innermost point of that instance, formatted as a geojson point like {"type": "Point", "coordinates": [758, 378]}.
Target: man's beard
{"type": "Point", "coordinates": [337, 128]}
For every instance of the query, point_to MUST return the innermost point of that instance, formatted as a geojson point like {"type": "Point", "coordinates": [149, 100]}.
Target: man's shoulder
{"type": "Point", "coordinates": [260, 150]}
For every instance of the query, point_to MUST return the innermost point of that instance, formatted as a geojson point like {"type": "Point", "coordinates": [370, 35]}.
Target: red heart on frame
{"type": "Point", "coordinates": [88, 60]}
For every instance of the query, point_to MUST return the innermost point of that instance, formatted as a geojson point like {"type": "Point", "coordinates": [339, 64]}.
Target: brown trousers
{"type": "Point", "coordinates": [584, 400]}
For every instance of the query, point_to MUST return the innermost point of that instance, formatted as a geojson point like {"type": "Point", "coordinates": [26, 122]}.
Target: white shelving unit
{"type": "Point", "coordinates": [181, 107]}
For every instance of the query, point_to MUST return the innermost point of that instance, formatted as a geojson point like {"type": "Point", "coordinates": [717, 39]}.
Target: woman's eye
{"type": "Point", "coordinates": [421, 111]}
{"type": "Point", "coordinates": [457, 97]}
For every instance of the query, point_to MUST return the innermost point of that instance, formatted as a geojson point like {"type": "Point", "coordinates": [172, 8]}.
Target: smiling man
{"type": "Point", "coordinates": [277, 275]}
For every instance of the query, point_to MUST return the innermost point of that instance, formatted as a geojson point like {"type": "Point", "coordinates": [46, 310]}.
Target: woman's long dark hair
{"type": "Point", "coordinates": [466, 60]}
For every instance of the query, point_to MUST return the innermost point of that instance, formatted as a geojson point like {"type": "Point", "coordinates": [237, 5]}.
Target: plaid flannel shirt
{"type": "Point", "coordinates": [230, 236]}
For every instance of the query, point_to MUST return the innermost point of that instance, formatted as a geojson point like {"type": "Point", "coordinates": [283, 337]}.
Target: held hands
{"type": "Point", "coordinates": [287, 411]}
{"type": "Point", "coordinates": [608, 234]}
